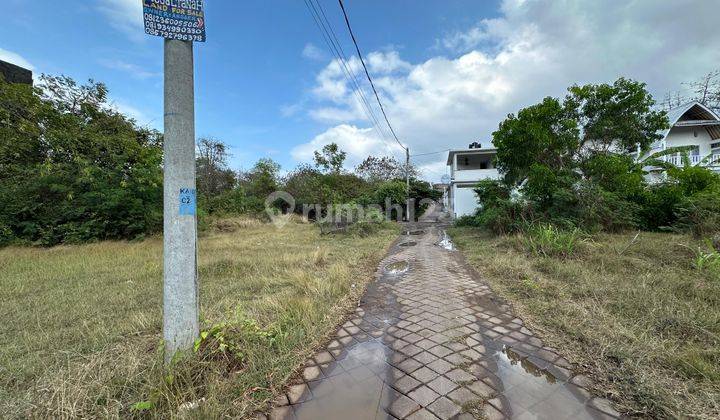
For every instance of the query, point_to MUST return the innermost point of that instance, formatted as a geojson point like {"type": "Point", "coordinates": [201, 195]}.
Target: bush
{"type": "Point", "coordinates": [695, 179]}
{"type": "Point", "coordinates": [659, 206]}
{"type": "Point", "coordinates": [601, 210]}
{"type": "Point", "coordinates": [491, 192]}
{"type": "Point", "coordinates": [700, 214]}
{"type": "Point", "coordinates": [548, 241]}
{"type": "Point", "coordinates": [232, 202]}
{"type": "Point", "coordinates": [614, 173]}
{"type": "Point", "coordinates": [72, 169]}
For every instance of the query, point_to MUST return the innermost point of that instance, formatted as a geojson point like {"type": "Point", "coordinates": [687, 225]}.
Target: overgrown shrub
{"type": "Point", "coordinates": [700, 214]}
{"type": "Point", "coordinates": [72, 169]}
{"type": "Point", "coordinates": [695, 179]}
{"type": "Point", "coordinates": [601, 210]}
{"type": "Point", "coordinates": [659, 205]}
{"type": "Point", "coordinates": [549, 241]}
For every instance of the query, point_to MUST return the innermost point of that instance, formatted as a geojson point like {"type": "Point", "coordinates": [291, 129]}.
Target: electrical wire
{"type": "Point", "coordinates": [335, 48]}
{"type": "Point", "coordinates": [431, 153]}
{"type": "Point", "coordinates": [362, 61]}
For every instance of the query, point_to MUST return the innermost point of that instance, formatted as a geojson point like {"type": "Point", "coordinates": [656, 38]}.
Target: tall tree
{"type": "Point", "coordinates": [545, 134]}
{"type": "Point", "coordinates": [330, 158]}
{"type": "Point", "coordinates": [213, 175]}
{"type": "Point", "coordinates": [706, 90]}
{"type": "Point", "coordinates": [616, 117]}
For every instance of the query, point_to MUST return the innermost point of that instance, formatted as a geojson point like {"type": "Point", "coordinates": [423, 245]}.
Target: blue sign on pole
{"type": "Point", "coordinates": [188, 202]}
{"type": "Point", "coordinates": [175, 19]}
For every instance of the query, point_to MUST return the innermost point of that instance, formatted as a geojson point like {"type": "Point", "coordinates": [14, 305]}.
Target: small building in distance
{"type": "Point", "coordinates": [15, 74]}
{"type": "Point", "coordinates": [467, 168]}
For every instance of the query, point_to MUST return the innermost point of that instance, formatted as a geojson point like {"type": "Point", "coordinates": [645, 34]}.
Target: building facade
{"type": "Point", "coordinates": [467, 167]}
{"type": "Point", "coordinates": [695, 125]}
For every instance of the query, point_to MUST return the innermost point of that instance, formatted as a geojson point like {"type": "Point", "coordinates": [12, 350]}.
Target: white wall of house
{"type": "Point", "coordinates": [690, 136]}
{"type": "Point", "coordinates": [467, 168]}
{"type": "Point", "coordinates": [464, 200]}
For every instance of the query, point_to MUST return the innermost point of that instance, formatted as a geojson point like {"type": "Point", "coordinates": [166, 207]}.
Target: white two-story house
{"type": "Point", "coordinates": [467, 167]}
{"type": "Point", "coordinates": [691, 124]}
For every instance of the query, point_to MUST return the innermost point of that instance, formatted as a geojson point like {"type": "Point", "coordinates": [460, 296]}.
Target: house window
{"type": "Point", "coordinates": [715, 146]}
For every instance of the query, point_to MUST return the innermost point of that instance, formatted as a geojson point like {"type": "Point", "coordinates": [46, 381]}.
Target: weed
{"type": "Point", "coordinates": [549, 241]}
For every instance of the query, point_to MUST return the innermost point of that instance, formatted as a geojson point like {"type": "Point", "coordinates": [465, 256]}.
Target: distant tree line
{"type": "Point", "coordinates": [73, 169]}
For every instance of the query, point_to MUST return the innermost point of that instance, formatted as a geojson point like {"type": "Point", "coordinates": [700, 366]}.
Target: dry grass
{"type": "Point", "coordinates": [81, 324]}
{"type": "Point", "coordinates": [636, 312]}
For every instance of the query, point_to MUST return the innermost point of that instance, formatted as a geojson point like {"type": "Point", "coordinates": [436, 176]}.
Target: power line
{"type": "Point", "coordinates": [357, 48]}
{"type": "Point", "coordinates": [431, 153]}
{"type": "Point", "coordinates": [336, 49]}
{"type": "Point", "coordinates": [340, 53]}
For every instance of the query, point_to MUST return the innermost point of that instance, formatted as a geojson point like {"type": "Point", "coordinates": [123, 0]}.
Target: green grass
{"type": "Point", "coordinates": [638, 313]}
{"type": "Point", "coordinates": [81, 325]}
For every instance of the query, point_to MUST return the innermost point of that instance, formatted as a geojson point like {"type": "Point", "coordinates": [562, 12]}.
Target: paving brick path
{"type": "Point", "coordinates": [434, 342]}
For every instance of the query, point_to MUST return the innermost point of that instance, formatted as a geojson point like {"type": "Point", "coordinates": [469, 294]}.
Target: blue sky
{"type": "Point", "coordinates": [448, 71]}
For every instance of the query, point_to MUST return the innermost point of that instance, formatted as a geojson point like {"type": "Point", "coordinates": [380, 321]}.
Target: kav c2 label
{"type": "Point", "coordinates": [188, 202]}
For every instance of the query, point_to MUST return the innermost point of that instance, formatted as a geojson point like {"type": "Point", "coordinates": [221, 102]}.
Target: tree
{"type": "Point", "coordinates": [545, 134]}
{"type": "Point", "coordinates": [380, 169]}
{"type": "Point", "coordinates": [616, 117]}
{"type": "Point", "coordinates": [77, 169]}
{"type": "Point", "coordinates": [262, 179]}
{"type": "Point", "coordinates": [213, 175]}
{"type": "Point", "coordinates": [331, 158]}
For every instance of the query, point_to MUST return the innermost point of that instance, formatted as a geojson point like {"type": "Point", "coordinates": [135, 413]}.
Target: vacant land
{"type": "Point", "coordinates": [81, 325]}
{"type": "Point", "coordinates": [641, 314]}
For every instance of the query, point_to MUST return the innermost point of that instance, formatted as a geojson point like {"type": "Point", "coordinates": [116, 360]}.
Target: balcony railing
{"type": "Point", "coordinates": [677, 160]}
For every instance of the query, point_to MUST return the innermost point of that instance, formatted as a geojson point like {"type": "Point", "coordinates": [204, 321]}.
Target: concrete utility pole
{"type": "Point", "coordinates": [407, 183]}
{"type": "Point", "coordinates": [180, 282]}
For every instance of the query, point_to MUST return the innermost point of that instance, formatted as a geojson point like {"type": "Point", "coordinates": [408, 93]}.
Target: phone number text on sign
{"type": "Point", "coordinates": [175, 19]}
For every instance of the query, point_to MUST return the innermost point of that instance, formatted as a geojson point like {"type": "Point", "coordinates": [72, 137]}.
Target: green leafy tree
{"type": "Point", "coordinates": [616, 117]}
{"type": "Point", "coordinates": [261, 181]}
{"type": "Point", "coordinates": [79, 170]}
{"type": "Point", "coordinates": [545, 134]}
{"type": "Point", "coordinates": [330, 158]}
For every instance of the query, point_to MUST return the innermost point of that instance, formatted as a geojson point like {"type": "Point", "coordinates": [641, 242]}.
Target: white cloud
{"type": "Point", "coordinates": [125, 16]}
{"type": "Point", "coordinates": [134, 70]}
{"type": "Point", "coordinates": [15, 58]}
{"type": "Point", "coordinates": [312, 52]}
{"type": "Point", "coordinates": [357, 142]}
{"type": "Point", "coordinates": [536, 48]}
{"type": "Point", "coordinates": [142, 118]}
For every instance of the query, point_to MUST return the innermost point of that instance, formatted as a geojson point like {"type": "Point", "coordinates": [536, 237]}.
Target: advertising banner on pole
{"type": "Point", "coordinates": [183, 20]}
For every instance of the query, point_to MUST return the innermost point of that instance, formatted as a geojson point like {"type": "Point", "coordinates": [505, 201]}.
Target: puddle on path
{"type": "Point", "coordinates": [446, 242]}
{"type": "Point", "coordinates": [411, 243]}
{"type": "Point", "coordinates": [354, 388]}
{"type": "Point", "coordinates": [510, 359]}
{"type": "Point", "coordinates": [529, 388]}
{"type": "Point", "coordinates": [398, 267]}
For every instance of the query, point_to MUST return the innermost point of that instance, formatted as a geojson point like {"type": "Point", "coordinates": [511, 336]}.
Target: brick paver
{"type": "Point", "coordinates": [435, 342]}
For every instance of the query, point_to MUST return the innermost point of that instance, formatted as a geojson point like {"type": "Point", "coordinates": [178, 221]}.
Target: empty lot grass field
{"type": "Point", "coordinates": [81, 325]}
{"type": "Point", "coordinates": [640, 314]}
